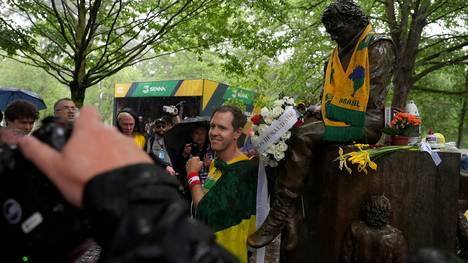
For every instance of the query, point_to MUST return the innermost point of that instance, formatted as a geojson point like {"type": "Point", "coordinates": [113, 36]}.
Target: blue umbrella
{"type": "Point", "coordinates": [8, 95]}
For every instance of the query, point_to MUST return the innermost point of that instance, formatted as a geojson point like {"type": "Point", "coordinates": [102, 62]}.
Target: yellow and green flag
{"type": "Point", "coordinates": [229, 205]}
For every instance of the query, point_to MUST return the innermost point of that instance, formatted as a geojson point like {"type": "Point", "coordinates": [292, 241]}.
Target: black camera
{"type": "Point", "coordinates": [195, 150]}
{"type": "Point", "coordinates": [37, 224]}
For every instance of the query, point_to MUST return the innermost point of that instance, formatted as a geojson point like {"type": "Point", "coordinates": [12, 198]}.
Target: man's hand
{"type": "Point", "coordinates": [92, 149]}
{"type": "Point", "coordinates": [193, 165]}
{"type": "Point", "coordinates": [170, 170]}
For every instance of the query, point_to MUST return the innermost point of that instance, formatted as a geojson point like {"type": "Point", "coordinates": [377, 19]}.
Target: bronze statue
{"type": "Point", "coordinates": [372, 239]}
{"type": "Point", "coordinates": [346, 24]}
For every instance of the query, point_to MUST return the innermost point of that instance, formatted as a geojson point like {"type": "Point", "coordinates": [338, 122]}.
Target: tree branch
{"type": "Point", "coordinates": [437, 66]}
{"type": "Point", "coordinates": [134, 52]}
{"type": "Point", "coordinates": [463, 7]}
{"type": "Point", "coordinates": [438, 91]}
{"type": "Point", "coordinates": [62, 26]}
{"type": "Point", "coordinates": [442, 52]}
{"type": "Point", "coordinates": [440, 41]}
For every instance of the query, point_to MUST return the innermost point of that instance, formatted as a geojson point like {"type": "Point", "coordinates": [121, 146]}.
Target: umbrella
{"type": "Point", "coordinates": [8, 95]}
{"type": "Point", "coordinates": [179, 135]}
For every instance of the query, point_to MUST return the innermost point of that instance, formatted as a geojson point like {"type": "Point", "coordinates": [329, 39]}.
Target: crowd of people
{"type": "Point", "coordinates": [191, 173]}
{"type": "Point", "coordinates": [147, 200]}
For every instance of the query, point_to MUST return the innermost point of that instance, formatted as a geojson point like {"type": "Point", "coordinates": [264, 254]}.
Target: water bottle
{"type": "Point", "coordinates": [412, 109]}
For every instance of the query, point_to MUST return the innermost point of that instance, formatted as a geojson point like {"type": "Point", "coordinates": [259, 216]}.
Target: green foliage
{"type": "Point", "coordinates": [439, 111]}
{"type": "Point", "coordinates": [80, 43]}
{"type": "Point", "coordinates": [236, 102]}
{"type": "Point", "coordinates": [18, 75]}
{"type": "Point", "coordinates": [275, 47]}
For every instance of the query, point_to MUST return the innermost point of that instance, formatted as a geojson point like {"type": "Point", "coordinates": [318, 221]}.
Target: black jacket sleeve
{"type": "Point", "coordinates": [138, 215]}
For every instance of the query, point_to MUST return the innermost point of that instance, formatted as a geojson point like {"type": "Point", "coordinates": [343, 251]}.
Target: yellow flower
{"type": "Point", "coordinates": [363, 158]}
{"type": "Point", "coordinates": [371, 164]}
{"type": "Point", "coordinates": [360, 146]}
{"type": "Point", "coordinates": [343, 161]}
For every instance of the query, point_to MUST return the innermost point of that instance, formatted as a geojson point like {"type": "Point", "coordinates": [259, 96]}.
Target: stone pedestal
{"type": "Point", "coordinates": [423, 197]}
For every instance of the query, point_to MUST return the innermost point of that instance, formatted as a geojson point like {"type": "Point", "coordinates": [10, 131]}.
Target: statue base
{"type": "Point", "coordinates": [423, 199]}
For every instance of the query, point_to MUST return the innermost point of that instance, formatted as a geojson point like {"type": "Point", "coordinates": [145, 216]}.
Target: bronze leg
{"type": "Point", "coordinates": [290, 185]}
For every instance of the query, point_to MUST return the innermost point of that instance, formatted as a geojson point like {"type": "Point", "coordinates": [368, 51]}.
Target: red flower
{"type": "Point", "coordinates": [298, 123]}
{"type": "Point", "coordinates": [256, 119]}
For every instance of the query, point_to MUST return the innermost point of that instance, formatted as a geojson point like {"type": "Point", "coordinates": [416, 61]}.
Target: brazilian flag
{"type": "Point", "coordinates": [229, 205]}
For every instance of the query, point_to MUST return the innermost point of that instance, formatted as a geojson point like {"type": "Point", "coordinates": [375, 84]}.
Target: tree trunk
{"type": "Point", "coordinates": [407, 41]}
{"type": "Point", "coordinates": [402, 84]}
{"type": "Point", "coordinates": [77, 93]}
{"type": "Point", "coordinates": [77, 86]}
{"type": "Point", "coordinates": [464, 110]}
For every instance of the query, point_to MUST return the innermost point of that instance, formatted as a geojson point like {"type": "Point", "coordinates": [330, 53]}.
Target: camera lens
{"type": "Point", "coordinates": [195, 149]}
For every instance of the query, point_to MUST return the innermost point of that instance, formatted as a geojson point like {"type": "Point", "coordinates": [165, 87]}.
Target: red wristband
{"type": "Point", "coordinates": [193, 183]}
{"type": "Point", "coordinates": [191, 174]}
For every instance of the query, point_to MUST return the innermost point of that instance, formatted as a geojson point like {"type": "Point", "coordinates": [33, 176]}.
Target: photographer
{"type": "Point", "coordinates": [173, 116]}
{"type": "Point", "coordinates": [157, 147]}
{"type": "Point", "coordinates": [197, 146]}
{"type": "Point", "coordinates": [135, 209]}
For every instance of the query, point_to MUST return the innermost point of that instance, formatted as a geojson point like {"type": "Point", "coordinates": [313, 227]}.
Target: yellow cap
{"type": "Point", "coordinates": [440, 138]}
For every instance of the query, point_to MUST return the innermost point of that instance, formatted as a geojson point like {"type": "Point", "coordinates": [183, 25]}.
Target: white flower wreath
{"type": "Point", "coordinates": [275, 152]}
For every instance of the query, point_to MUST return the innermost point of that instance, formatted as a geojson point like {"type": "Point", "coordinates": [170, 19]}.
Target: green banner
{"type": "Point", "coordinates": [154, 88]}
{"type": "Point", "coordinates": [246, 96]}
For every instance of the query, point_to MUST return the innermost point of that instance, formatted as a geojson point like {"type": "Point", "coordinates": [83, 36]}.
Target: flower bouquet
{"type": "Point", "coordinates": [403, 124]}
{"type": "Point", "coordinates": [365, 155]}
{"type": "Point", "coordinates": [402, 127]}
{"type": "Point", "coordinates": [265, 124]}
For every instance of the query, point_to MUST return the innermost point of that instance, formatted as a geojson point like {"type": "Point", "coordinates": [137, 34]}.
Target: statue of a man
{"type": "Point", "coordinates": [372, 239]}
{"type": "Point", "coordinates": [356, 82]}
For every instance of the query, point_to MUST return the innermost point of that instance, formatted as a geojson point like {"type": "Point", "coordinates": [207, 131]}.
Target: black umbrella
{"type": "Point", "coordinates": [8, 95]}
{"type": "Point", "coordinates": [179, 135]}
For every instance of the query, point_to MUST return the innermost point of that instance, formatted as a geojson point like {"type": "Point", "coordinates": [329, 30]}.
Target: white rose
{"type": "Point", "coordinates": [282, 146]}
{"type": "Point", "coordinates": [262, 128]}
{"type": "Point", "coordinates": [271, 149]}
{"type": "Point", "coordinates": [276, 112]}
{"type": "Point", "coordinates": [286, 135]}
{"type": "Point", "coordinates": [278, 102]}
{"type": "Point", "coordinates": [279, 155]}
{"type": "Point", "coordinates": [269, 119]}
{"type": "Point", "coordinates": [264, 112]}
{"type": "Point", "coordinates": [290, 101]}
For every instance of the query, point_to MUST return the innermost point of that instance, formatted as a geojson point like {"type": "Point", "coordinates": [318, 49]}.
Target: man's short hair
{"type": "Point", "coordinates": [21, 109]}
{"type": "Point", "coordinates": [238, 120]}
{"type": "Point", "coordinates": [160, 120]}
{"type": "Point", "coordinates": [347, 10]}
{"type": "Point", "coordinates": [167, 119]}
{"type": "Point", "coordinates": [60, 100]}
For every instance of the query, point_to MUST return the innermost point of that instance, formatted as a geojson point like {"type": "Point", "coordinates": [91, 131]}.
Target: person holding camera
{"type": "Point", "coordinates": [134, 208]}
{"type": "Point", "coordinates": [157, 147]}
{"type": "Point", "coordinates": [172, 118]}
{"type": "Point", "coordinates": [199, 146]}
